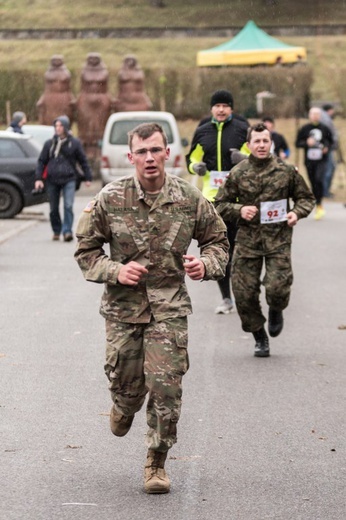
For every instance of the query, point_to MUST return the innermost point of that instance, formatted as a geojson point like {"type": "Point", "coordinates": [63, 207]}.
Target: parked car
{"type": "Point", "coordinates": [114, 160]}
{"type": "Point", "coordinates": [18, 159]}
{"type": "Point", "coordinates": [39, 132]}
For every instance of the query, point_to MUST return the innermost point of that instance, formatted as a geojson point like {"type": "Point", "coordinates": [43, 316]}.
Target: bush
{"type": "Point", "coordinates": [290, 85]}
{"type": "Point", "coordinates": [22, 89]}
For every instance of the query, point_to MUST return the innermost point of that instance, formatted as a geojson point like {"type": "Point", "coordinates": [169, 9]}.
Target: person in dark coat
{"type": "Point", "coordinates": [317, 141]}
{"type": "Point", "coordinates": [62, 164]}
{"type": "Point", "coordinates": [214, 148]}
{"type": "Point", "coordinates": [18, 120]}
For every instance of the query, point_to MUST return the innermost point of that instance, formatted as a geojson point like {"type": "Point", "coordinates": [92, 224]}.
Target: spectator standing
{"type": "Point", "coordinates": [18, 120]}
{"type": "Point", "coordinates": [316, 140]}
{"type": "Point", "coordinates": [213, 149]}
{"type": "Point", "coordinates": [279, 146]}
{"type": "Point", "coordinates": [59, 165]}
{"type": "Point", "coordinates": [149, 220]}
{"type": "Point", "coordinates": [257, 193]}
{"type": "Point", "coordinates": [327, 116]}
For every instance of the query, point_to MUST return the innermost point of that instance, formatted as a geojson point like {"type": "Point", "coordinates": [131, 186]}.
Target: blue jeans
{"type": "Point", "coordinates": [68, 191]}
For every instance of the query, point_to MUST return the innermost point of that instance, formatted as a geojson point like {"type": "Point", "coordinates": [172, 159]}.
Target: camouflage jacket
{"type": "Point", "coordinates": [254, 181]}
{"type": "Point", "coordinates": [155, 233]}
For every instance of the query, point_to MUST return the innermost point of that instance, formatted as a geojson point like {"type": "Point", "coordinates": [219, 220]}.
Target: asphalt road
{"type": "Point", "coordinates": [258, 438]}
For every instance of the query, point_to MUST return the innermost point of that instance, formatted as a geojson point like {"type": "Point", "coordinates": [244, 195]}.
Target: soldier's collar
{"type": "Point", "coordinates": [260, 162]}
{"type": "Point", "coordinates": [141, 191]}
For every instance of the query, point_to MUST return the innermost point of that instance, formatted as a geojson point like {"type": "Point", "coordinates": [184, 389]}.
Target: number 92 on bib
{"type": "Point", "coordinates": [273, 211]}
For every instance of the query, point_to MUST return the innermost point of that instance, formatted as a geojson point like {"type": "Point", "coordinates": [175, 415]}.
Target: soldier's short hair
{"type": "Point", "coordinates": [258, 127]}
{"type": "Point", "coordinates": [146, 130]}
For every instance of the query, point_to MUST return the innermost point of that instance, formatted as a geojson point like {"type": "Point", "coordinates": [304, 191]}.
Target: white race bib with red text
{"type": "Point", "coordinates": [217, 178]}
{"type": "Point", "coordinates": [273, 211]}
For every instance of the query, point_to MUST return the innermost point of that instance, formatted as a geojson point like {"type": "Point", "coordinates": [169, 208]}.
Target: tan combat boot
{"type": "Point", "coordinates": [120, 424]}
{"type": "Point", "coordinates": [155, 477]}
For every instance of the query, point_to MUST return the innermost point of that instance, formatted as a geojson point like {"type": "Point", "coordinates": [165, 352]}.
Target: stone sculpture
{"type": "Point", "coordinates": [57, 98]}
{"type": "Point", "coordinates": [131, 92]}
{"type": "Point", "coordinates": [94, 103]}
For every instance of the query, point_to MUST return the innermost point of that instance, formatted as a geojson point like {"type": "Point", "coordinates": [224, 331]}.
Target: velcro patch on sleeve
{"type": "Point", "coordinates": [88, 208]}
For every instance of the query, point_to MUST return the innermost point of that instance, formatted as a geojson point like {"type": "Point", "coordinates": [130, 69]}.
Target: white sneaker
{"type": "Point", "coordinates": [225, 307]}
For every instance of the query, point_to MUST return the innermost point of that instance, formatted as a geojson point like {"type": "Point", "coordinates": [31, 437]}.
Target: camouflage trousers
{"type": "Point", "coordinates": [149, 358]}
{"type": "Point", "coordinates": [247, 267]}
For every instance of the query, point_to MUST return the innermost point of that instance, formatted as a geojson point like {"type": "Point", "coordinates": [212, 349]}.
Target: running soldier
{"type": "Point", "coordinates": [149, 220]}
{"type": "Point", "coordinates": [256, 194]}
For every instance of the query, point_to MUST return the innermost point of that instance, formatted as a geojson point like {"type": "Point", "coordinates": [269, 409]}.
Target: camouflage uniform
{"type": "Point", "coordinates": [250, 183]}
{"type": "Point", "coordinates": [146, 325]}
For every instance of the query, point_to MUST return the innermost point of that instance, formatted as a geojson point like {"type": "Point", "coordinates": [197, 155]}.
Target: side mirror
{"type": "Point", "coordinates": [99, 143]}
{"type": "Point", "coordinates": [184, 142]}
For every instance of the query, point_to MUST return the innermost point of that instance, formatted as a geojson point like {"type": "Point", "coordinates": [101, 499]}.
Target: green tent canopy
{"type": "Point", "coordinates": [251, 46]}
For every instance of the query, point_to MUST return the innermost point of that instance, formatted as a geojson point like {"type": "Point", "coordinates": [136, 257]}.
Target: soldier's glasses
{"type": "Point", "coordinates": [155, 150]}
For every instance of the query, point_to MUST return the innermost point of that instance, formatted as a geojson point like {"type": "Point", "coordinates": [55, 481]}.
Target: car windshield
{"type": "Point", "coordinates": [121, 128]}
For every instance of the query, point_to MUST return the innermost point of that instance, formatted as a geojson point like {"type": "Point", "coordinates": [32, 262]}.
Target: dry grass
{"type": "Point", "coordinates": [326, 54]}
{"type": "Point", "coordinates": [177, 13]}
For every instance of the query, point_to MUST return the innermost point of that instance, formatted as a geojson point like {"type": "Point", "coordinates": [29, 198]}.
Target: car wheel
{"type": "Point", "coordinates": [11, 201]}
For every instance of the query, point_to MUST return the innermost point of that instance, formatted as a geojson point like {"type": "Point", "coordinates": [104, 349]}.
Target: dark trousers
{"type": "Point", "coordinates": [316, 171]}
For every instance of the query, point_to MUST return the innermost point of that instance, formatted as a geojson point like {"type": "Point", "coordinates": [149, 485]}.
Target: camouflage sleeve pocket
{"type": "Point", "coordinates": [85, 220]}
{"type": "Point", "coordinates": [84, 225]}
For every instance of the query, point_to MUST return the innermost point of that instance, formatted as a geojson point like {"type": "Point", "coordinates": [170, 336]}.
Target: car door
{"type": "Point", "coordinates": [18, 160]}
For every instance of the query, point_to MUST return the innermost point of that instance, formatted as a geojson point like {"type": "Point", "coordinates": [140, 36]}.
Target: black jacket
{"type": "Point", "coordinates": [233, 135]}
{"type": "Point", "coordinates": [321, 134]}
{"type": "Point", "coordinates": [63, 168]}
{"type": "Point", "coordinates": [280, 144]}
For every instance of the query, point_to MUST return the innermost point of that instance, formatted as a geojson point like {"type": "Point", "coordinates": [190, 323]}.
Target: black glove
{"type": "Point", "coordinates": [200, 168]}
{"type": "Point", "coordinates": [236, 155]}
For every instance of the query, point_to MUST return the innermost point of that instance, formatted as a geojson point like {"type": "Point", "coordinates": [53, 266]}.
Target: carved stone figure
{"type": "Point", "coordinates": [131, 92]}
{"type": "Point", "coordinates": [57, 97]}
{"type": "Point", "coordinates": [94, 104]}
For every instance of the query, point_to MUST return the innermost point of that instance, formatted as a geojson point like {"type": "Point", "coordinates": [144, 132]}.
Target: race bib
{"type": "Point", "coordinates": [273, 211]}
{"type": "Point", "coordinates": [314, 154]}
{"type": "Point", "coordinates": [217, 178]}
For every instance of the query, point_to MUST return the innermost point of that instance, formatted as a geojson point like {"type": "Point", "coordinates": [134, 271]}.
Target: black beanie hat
{"type": "Point", "coordinates": [221, 96]}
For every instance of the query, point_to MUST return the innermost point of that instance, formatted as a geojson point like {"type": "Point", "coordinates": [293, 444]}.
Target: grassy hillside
{"type": "Point", "coordinates": [326, 54]}
{"type": "Point", "coordinates": [176, 13]}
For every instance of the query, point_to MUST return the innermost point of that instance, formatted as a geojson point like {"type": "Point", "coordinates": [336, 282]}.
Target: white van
{"type": "Point", "coordinates": [114, 160]}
